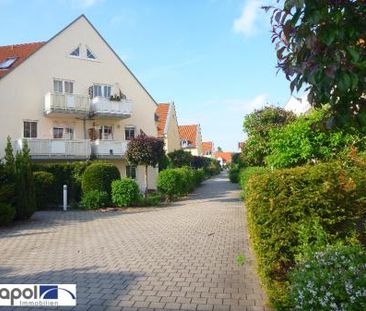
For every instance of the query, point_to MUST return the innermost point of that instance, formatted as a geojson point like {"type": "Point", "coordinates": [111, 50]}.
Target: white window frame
{"type": "Point", "coordinates": [64, 82]}
{"type": "Point", "coordinates": [103, 90]}
{"type": "Point", "coordinates": [80, 52]}
{"type": "Point", "coordinates": [128, 127]}
{"type": "Point", "coordinates": [129, 169]}
{"type": "Point", "coordinates": [103, 135]}
{"type": "Point", "coordinates": [67, 132]}
{"type": "Point", "coordinates": [30, 129]}
{"type": "Point", "coordinates": [91, 51]}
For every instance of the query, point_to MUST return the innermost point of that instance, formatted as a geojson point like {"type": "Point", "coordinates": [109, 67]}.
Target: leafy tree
{"type": "Point", "coordinates": [257, 125]}
{"type": "Point", "coordinates": [311, 138]}
{"type": "Point", "coordinates": [25, 200]}
{"type": "Point", "coordinates": [147, 151]}
{"type": "Point", "coordinates": [322, 44]}
{"type": "Point", "coordinates": [219, 149]}
{"type": "Point", "coordinates": [180, 158]}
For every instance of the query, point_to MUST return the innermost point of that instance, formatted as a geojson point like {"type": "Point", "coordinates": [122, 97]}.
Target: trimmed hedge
{"type": "Point", "coordinates": [234, 172]}
{"type": "Point", "coordinates": [286, 207]}
{"type": "Point", "coordinates": [177, 182]}
{"type": "Point", "coordinates": [99, 176]}
{"type": "Point", "coordinates": [125, 192]}
{"type": "Point", "coordinates": [95, 199]}
{"type": "Point", "coordinates": [247, 172]}
{"type": "Point", "coordinates": [7, 214]}
{"type": "Point", "coordinates": [44, 187]}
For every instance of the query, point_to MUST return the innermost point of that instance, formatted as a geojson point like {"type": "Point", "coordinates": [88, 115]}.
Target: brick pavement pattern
{"type": "Point", "coordinates": [181, 257]}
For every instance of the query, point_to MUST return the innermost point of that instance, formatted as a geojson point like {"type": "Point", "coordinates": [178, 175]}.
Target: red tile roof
{"type": "Point", "coordinates": [20, 51]}
{"type": "Point", "coordinates": [189, 133]}
{"type": "Point", "coordinates": [162, 111]}
{"type": "Point", "coordinates": [207, 146]}
{"type": "Point", "coordinates": [226, 156]}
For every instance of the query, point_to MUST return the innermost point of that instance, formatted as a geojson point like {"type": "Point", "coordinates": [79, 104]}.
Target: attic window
{"type": "Point", "coordinates": [75, 52]}
{"type": "Point", "coordinates": [89, 54]}
{"type": "Point", "coordinates": [7, 62]}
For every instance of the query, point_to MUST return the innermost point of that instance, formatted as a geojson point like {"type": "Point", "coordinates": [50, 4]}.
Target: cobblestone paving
{"type": "Point", "coordinates": [181, 257]}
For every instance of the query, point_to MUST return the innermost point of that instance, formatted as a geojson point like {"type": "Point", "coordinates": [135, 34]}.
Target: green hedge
{"type": "Point", "coordinates": [177, 182]}
{"type": "Point", "coordinates": [125, 192]}
{"type": "Point", "coordinates": [95, 199]}
{"type": "Point", "coordinates": [287, 208]}
{"type": "Point", "coordinates": [99, 176]}
{"type": "Point", "coordinates": [234, 171]}
{"type": "Point", "coordinates": [7, 214]}
{"type": "Point", "coordinates": [44, 187]}
{"type": "Point", "coordinates": [247, 172]}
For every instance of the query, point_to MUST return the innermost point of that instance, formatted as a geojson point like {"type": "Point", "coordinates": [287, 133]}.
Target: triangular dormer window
{"type": "Point", "coordinates": [76, 52]}
{"type": "Point", "coordinates": [90, 54]}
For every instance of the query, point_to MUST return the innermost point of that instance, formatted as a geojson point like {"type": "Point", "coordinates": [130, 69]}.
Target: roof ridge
{"type": "Point", "coordinates": [22, 44]}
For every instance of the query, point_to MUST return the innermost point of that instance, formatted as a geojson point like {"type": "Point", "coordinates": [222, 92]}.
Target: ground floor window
{"type": "Point", "coordinates": [30, 129]}
{"type": "Point", "coordinates": [131, 171]}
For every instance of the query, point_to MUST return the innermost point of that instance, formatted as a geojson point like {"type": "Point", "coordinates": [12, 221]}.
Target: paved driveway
{"type": "Point", "coordinates": [181, 257]}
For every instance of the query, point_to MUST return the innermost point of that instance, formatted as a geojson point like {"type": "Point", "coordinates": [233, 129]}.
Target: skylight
{"type": "Point", "coordinates": [89, 54]}
{"type": "Point", "coordinates": [75, 52]}
{"type": "Point", "coordinates": [7, 62]}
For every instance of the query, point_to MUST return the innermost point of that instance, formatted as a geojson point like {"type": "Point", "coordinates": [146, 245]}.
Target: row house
{"type": "Point", "coordinates": [191, 138]}
{"type": "Point", "coordinates": [208, 149]}
{"type": "Point", "coordinates": [73, 98]}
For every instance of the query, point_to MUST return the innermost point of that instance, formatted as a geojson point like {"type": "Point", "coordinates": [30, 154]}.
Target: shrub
{"type": "Point", "coordinates": [188, 181]}
{"type": "Point", "coordinates": [280, 204]}
{"type": "Point", "coordinates": [170, 183]}
{"type": "Point", "coordinates": [7, 214]}
{"type": "Point", "coordinates": [199, 176]}
{"type": "Point", "coordinates": [234, 173]}
{"type": "Point", "coordinates": [333, 279]}
{"type": "Point", "coordinates": [180, 158]}
{"type": "Point", "coordinates": [248, 172]}
{"type": "Point", "coordinates": [125, 192]}
{"type": "Point", "coordinates": [44, 187]}
{"type": "Point", "coordinates": [99, 176]}
{"type": "Point", "coordinates": [95, 199]}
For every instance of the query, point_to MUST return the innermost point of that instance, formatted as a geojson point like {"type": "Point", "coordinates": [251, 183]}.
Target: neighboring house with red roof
{"type": "Point", "coordinates": [191, 138]}
{"type": "Point", "coordinates": [167, 126]}
{"type": "Point", "coordinates": [73, 98]}
{"type": "Point", "coordinates": [223, 157]}
{"type": "Point", "coordinates": [208, 149]}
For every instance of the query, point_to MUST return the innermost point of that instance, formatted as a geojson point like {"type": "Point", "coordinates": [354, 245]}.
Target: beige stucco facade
{"type": "Point", "coordinates": [23, 95]}
{"type": "Point", "coordinates": [171, 133]}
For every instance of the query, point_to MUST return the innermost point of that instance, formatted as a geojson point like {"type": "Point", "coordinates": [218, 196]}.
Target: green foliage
{"type": "Point", "coordinates": [125, 192]}
{"type": "Point", "coordinates": [213, 168]}
{"type": "Point", "coordinates": [240, 260]}
{"type": "Point", "coordinates": [152, 199]}
{"type": "Point", "coordinates": [180, 158]}
{"type": "Point", "coordinates": [99, 176]}
{"type": "Point", "coordinates": [321, 44]}
{"type": "Point", "coordinates": [332, 279]}
{"type": "Point", "coordinates": [9, 158]}
{"type": "Point", "coordinates": [311, 204]}
{"type": "Point", "coordinates": [258, 126]}
{"type": "Point", "coordinates": [309, 138]}
{"type": "Point", "coordinates": [25, 194]}
{"type": "Point", "coordinates": [65, 173]}
{"type": "Point", "coordinates": [95, 199]}
{"type": "Point", "coordinates": [7, 214]}
{"type": "Point", "coordinates": [170, 183]}
{"type": "Point", "coordinates": [248, 172]}
{"type": "Point", "coordinates": [234, 171]}
{"type": "Point", "coordinates": [44, 183]}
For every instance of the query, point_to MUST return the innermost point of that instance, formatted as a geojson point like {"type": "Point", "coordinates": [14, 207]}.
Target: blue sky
{"type": "Point", "coordinates": [213, 58]}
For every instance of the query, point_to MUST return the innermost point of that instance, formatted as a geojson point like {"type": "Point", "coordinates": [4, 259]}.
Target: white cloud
{"type": "Point", "coordinates": [246, 23]}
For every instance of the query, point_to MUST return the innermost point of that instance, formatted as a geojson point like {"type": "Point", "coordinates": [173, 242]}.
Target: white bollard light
{"type": "Point", "coordinates": [65, 198]}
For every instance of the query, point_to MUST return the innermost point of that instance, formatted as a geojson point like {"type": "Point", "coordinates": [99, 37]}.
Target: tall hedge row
{"type": "Point", "coordinates": [288, 208]}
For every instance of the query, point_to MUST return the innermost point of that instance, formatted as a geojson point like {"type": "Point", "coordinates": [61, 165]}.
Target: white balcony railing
{"type": "Point", "coordinates": [105, 107]}
{"type": "Point", "coordinates": [57, 148]}
{"type": "Point", "coordinates": [66, 103]}
{"type": "Point", "coordinates": [109, 148]}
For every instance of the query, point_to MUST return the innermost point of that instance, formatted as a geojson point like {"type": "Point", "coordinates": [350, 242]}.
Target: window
{"type": "Point", "coordinates": [106, 132]}
{"type": "Point", "coordinates": [131, 171]}
{"type": "Point", "coordinates": [69, 133]}
{"type": "Point", "coordinates": [129, 132]}
{"type": "Point", "coordinates": [76, 52]}
{"type": "Point", "coordinates": [102, 90]}
{"type": "Point", "coordinates": [58, 132]}
{"type": "Point", "coordinates": [7, 62]}
{"type": "Point", "coordinates": [30, 129]}
{"type": "Point", "coordinates": [89, 54]}
{"type": "Point", "coordinates": [63, 86]}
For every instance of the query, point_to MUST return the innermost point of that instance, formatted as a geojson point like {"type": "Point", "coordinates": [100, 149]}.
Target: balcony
{"type": "Point", "coordinates": [109, 149]}
{"type": "Point", "coordinates": [57, 149]}
{"type": "Point", "coordinates": [66, 104]}
{"type": "Point", "coordinates": [105, 108]}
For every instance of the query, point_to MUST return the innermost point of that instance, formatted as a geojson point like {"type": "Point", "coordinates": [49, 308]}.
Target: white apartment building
{"type": "Point", "coordinates": [73, 98]}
